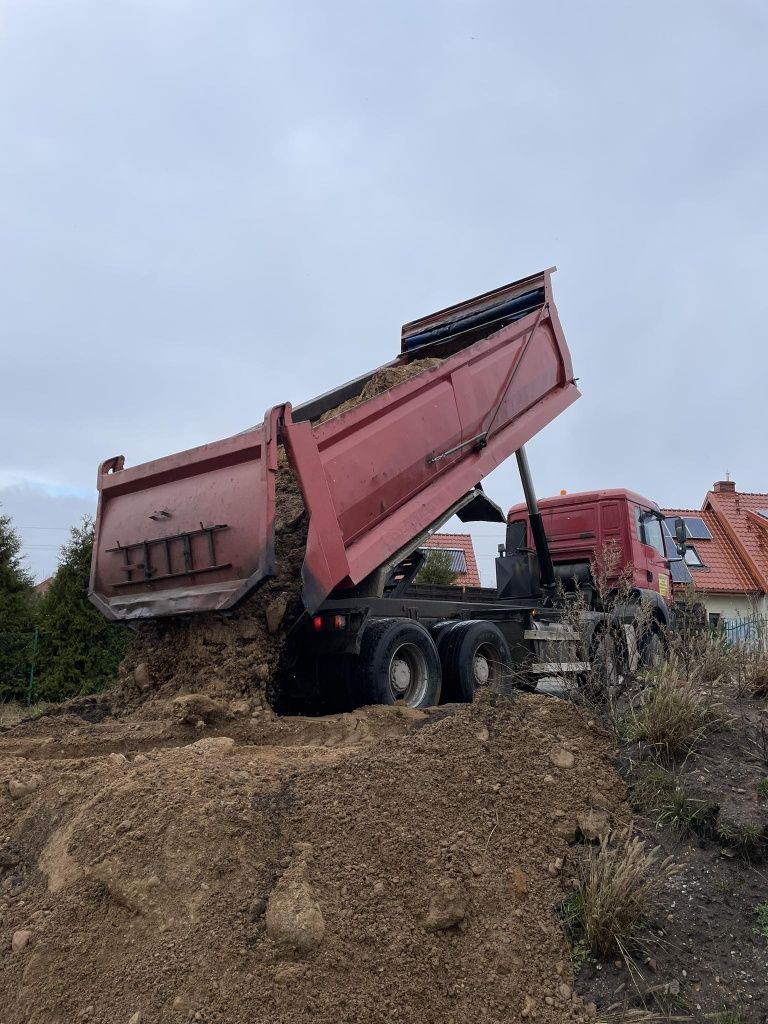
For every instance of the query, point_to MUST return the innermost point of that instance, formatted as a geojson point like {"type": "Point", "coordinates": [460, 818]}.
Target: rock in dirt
{"type": "Point", "coordinates": [447, 907]}
{"type": "Point", "coordinates": [294, 919]}
{"type": "Point", "coordinates": [19, 788]}
{"type": "Point", "coordinates": [593, 824]}
{"type": "Point", "coordinates": [275, 612]}
{"type": "Point", "coordinates": [141, 678]}
{"type": "Point", "coordinates": [20, 940]}
{"type": "Point", "coordinates": [561, 758]}
{"type": "Point", "coordinates": [190, 708]}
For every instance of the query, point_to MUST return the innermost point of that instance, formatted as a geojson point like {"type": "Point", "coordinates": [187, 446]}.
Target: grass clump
{"type": "Point", "coordinates": [615, 888]}
{"type": "Point", "coordinates": [715, 661]}
{"type": "Point", "coordinates": [757, 676]}
{"type": "Point", "coordinates": [762, 789]}
{"type": "Point", "coordinates": [761, 912]}
{"type": "Point", "coordinates": [684, 813]}
{"type": "Point", "coordinates": [672, 714]}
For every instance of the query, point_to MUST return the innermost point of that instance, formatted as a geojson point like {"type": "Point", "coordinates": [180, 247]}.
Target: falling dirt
{"type": "Point", "coordinates": [381, 866]}
{"type": "Point", "coordinates": [239, 652]}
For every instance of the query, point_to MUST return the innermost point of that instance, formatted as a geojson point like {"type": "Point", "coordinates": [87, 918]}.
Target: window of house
{"type": "Point", "coordinates": [692, 557]}
{"type": "Point", "coordinates": [763, 512]}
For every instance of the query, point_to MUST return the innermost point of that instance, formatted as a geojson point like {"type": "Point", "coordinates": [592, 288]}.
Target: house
{"type": "Point", "coordinates": [726, 556]}
{"type": "Point", "coordinates": [463, 561]}
{"type": "Point", "coordinates": [42, 588]}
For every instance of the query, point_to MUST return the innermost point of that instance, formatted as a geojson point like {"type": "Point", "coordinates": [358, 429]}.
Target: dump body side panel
{"type": "Point", "coordinates": [377, 475]}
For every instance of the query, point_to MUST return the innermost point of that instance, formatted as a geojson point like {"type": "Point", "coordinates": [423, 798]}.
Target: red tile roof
{"type": "Point", "coordinates": [740, 513]}
{"type": "Point", "coordinates": [724, 570]}
{"type": "Point", "coordinates": [458, 542]}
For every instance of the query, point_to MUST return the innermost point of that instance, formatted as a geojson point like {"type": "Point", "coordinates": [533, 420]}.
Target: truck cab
{"type": "Point", "coordinates": [618, 530]}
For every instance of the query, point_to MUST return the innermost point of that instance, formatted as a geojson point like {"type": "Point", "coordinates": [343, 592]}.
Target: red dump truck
{"type": "Point", "coordinates": [194, 533]}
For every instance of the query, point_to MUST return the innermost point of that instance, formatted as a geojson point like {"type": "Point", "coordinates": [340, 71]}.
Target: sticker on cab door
{"type": "Point", "coordinates": [663, 585]}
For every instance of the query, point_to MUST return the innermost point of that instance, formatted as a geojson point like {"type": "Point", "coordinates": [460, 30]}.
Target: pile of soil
{"type": "Point", "coordinates": [228, 865]}
{"type": "Point", "coordinates": [239, 652]}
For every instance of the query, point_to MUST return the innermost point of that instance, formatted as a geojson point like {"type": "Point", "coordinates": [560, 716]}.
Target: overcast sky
{"type": "Point", "coordinates": [207, 208]}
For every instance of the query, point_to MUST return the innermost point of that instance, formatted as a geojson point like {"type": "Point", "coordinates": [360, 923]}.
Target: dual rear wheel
{"type": "Point", "coordinates": [400, 662]}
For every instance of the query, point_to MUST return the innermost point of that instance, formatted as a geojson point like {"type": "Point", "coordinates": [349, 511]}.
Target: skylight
{"type": "Point", "coordinates": [692, 557]}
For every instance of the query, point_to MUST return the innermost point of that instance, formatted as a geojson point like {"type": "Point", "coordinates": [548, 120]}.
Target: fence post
{"type": "Point", "coordinates": [32, 667]}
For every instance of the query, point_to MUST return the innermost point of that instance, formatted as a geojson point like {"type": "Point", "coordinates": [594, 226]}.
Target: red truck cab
{"type": "Point", "coordinates": [581, 529]}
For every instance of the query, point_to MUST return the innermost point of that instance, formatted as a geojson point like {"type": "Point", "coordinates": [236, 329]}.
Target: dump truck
{"type": "Point", "coordinates": [194, 534]}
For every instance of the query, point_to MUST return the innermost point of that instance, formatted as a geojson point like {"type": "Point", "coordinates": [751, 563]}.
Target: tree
{"type": "Point", "coordinates": [79, 649]}
{"type": "Point", "coordinates": [436, 570]}
{"type": "Point", "coordinates": [16, 614]}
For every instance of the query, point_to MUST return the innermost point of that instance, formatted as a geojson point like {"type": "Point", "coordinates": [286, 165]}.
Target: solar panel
{"type": "Point", "coordinates": [697, 528]}
{"type": "Point", "coordinates": [457, 560]}
{"type": "Point", "coordinates": [679, 571]}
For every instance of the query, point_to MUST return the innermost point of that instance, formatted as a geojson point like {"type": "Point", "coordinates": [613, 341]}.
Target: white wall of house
{"type": "Point", "coordinates": [734, 606]}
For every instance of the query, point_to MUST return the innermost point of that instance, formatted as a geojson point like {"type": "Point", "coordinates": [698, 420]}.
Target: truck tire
{"type": "Point", "coordinates": [652, 650]}
{"type": "Point", "coordinates": [474, 655]}
{"type": "Point", "coordinates": [398, 664]}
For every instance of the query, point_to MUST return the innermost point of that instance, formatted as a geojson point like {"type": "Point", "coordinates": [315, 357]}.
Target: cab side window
{"type": "Point", "coordinates": [648, 527]}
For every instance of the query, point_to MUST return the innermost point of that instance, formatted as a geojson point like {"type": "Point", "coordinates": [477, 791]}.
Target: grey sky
{"type": "Point", "coordinates": [210, 207]}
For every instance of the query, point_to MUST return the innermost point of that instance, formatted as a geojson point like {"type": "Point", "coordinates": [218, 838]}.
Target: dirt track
{"type": "Point", "coordinates": [379, 866]}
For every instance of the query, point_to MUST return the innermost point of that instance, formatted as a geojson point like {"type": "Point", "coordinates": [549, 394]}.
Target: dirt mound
{"type": "Point", "coordinates": [239, 652]}
{"type": "Point", "coordinates": [383, 866]}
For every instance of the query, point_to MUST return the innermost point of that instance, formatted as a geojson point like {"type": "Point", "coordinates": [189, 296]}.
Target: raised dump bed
{"type": "Point", "coordinates": [195, 531]}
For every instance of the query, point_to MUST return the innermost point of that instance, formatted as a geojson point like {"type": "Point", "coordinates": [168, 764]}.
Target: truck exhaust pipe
{"type": "Point", "coordinates": [546, 568]}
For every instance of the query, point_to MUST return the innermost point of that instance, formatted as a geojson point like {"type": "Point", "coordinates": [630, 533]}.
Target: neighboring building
{"type": "Point", "coordinates": [42, 588]}
{"type": "Point", "coordinates": [463, 561]}
{"type": "Point", "coordinates": [727, 552]}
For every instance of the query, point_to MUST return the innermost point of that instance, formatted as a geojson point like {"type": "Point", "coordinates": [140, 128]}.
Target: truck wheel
{"type": "Point", "coordinates": [398, 664]}
{"type": "Point", "coordinates": [474, 655]}
{"type": "Point", "coordinates": [652, 650]}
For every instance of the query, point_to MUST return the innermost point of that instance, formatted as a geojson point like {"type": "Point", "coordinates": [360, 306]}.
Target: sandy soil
{"type": "Point", "coordinates": [209, 861]}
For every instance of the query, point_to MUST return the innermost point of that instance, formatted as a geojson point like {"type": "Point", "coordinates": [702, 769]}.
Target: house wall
{"type": "Point", "coordinates": [734, 606]}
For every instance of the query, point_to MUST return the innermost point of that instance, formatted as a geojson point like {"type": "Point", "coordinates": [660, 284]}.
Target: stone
{"type": "Point", "coordinates": [447, 907]}
{"type": "Point", "coordinates": [141, 677]}
{"type": "Point", "coordinates": [18, 788]}
{"type": "Point", "coordinates": [214, 746]}
{"type": "Point", "coordinates": [275, 612]}
{"type": "Point", "coordinates": [565, 991]}
{"type": "Point", "coordinates": [190, 708]}
{"type": "Point", "coordinates": [117, 759]}
{"type": "Point", "coordinates": [593, 824]}
{"type": "Point", "coordinates": [294, 919]}
{"type": "Point", "coordinates": [529, 1007]}
{"type": "Point", "coordinates": [561, 758]}
{"type": "Point", "coordinates": [135, 1018]}
{"type": "Point", "coordinates": [20, 940]}
{"type": "Point", "coordinates": [482, 734]}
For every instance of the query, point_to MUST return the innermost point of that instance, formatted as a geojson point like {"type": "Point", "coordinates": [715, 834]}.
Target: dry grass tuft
{"type": "Point", "coordinates": [673, 714]}
{"type": "Point", "coordinates": [757, 676]}
{"type": "Point", "coordinates": [617, 884]}
{"type": "Point", "coordinates": [715, 661]}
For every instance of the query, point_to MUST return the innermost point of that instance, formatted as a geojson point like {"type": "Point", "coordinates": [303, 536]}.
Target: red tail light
{"type": "Point", "coordinates": [317, 623]}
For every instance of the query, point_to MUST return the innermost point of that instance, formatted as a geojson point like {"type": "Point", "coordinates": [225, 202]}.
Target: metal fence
{"type": "Point", "coordinates": [750, 632]}
{"type": "Point", "coordinates": [18, 657]}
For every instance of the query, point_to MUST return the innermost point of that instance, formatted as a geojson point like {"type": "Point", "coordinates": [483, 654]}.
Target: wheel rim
{"type": "Point", "coordinates": [408, 675]}
{"type": "Point", "coordinates": [485, 665]}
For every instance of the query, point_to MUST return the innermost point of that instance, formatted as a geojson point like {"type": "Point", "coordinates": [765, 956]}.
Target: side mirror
{"type": "Point", "coordinates": [681, 535]}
